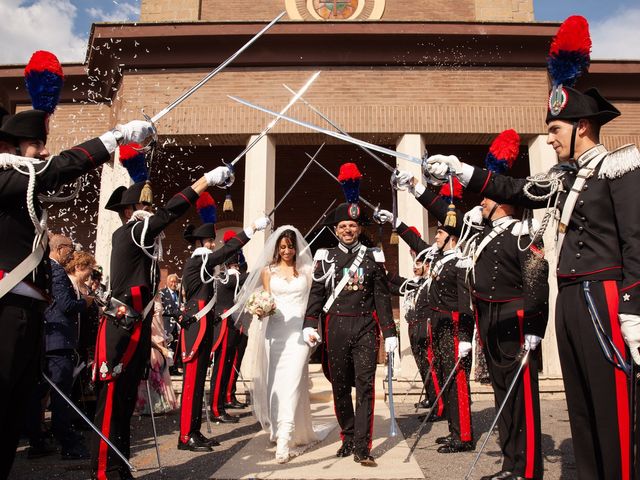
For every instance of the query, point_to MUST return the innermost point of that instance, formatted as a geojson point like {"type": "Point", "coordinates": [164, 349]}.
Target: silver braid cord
{"type": "Point", "coordinates": [15, 162]}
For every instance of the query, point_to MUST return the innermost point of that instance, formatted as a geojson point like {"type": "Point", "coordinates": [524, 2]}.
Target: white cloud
{"type": "Point", "coordinates": [617, 36]}
{"type": "Point", "coordinates": [122, 12]}
{"type": "Point", "coordinates": [43, 25]}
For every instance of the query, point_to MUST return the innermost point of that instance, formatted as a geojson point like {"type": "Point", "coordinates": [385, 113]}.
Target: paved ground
{"type": "Point", "coordinates": [244, 454]}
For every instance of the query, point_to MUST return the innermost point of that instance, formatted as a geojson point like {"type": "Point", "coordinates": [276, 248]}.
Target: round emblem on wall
{"type": "Point", "coordinates": [336, 9]}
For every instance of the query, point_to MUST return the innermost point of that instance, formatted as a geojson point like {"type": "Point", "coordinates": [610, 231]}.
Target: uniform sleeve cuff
{"type": "Point", "coordinates": [418, 190]}
{"type": "Point", "coordinates": [248, 232]}
{"type": "Point", "coordinates": [109, 141]}
{"type": "Point", "coordinates": [465, 176]}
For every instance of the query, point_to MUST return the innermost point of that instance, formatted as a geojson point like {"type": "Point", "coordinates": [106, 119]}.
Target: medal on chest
{"type": "Point", "coordinates": [356, 282]}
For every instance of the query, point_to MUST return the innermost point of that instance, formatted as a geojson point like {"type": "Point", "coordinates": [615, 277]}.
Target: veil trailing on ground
{"type": "Point", "coordinates": [304, 266]}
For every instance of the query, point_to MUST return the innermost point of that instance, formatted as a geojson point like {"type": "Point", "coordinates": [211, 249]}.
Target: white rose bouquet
{"type": "Point", "coordinates": [260, 303]}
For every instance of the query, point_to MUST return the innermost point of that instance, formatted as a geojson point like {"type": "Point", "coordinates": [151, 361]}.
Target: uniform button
{"type": "Point", "coordinates": [573, 270]}
{"type": "Point", "coordinates": [493, 288]}
{"type": "Point", "coordinates": [583, 219]}
{"type": "Point", "coordinates": [490, 297]}
{"type": "Point", "coordinates": [581, 244]}
{"type": "Point", "coordinates": [581, 228]}
{"type": "Point", "coordinates": [493, 278]}
{"type": "Point", "coordinates": [495, 251]}
{"type": "Point", "coordinates": [586, 187]}
{"type": "Point", "coordinates": [578, 255]}
{"type": "Point", "coordinates": [581, 202]}
{"type": "Point", "coordinates": [495, 267]}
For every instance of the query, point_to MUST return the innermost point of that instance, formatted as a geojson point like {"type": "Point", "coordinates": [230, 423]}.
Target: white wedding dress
{"type": "Point", "coordinates": [281, 383]}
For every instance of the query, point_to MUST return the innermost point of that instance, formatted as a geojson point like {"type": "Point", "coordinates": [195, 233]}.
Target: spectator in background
{"type": "Point", "coordinates": [171, 313]}
{"type": "Point", "coordinates": [62, 331]}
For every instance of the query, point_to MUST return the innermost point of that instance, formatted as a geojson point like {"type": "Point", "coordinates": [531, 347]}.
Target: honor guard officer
{"type": "Point", "coordinates": [350, 290]}
{"type": "Point", "coordinates": [197, 333]}
{"type": "Point", "coordinates": [598, 303]}
{"type": "Point", "coordinates": [509, 285]}
{"type": "Point", "coordinates": [417, 312]}
{"type": "Point", "coordinates": [227, 335]}
{"type": "Point", "coordinates": [124, 336]}
{"type": "Point", "coordinates": [25, 272]}
{"type": "Point", "coordinates": [452, 325]}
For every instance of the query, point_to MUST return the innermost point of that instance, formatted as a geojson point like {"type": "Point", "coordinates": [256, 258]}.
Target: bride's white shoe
{"type": "Point", "coordinates": [282, 450]}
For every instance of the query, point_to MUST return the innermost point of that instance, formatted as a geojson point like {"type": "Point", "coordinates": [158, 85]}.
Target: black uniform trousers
{"type": "Point", "coordinates": [597, 393]}
{"type": "Point", "coordinates": [222, 366]}
{"type": "Point", "coordinates": [193, 380]}
{"type": "Point", "coordinates": [502, 336]}
{"type": "Point", "coordinates": [352, 343]}
{"type": "Point", "coordinates": [237, 346]}
{"type": "Point", "coordinates": [20, 353]}
{"type": "Point", "coordinates": [115, 403]}
{"type": "Point", "coordinates": [60, 365]}
{"type": "Point", "coordinates": [457, 397]}
{"type": "Point", "coordinates": [420, 341]}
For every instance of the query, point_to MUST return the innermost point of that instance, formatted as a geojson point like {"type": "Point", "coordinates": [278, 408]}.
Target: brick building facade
{"type": "Point", "coordinates": [407, 74]}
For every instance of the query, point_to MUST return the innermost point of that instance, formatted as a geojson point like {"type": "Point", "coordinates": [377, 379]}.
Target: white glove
{"type": "Point", "coordinates": [135, 131]}
{"type": "Point", "coordinates": [311, 336]}
{"type": "Point", "coordinates": [261, 223]}
{"type": "Point", "coordinates": [217, 176]}
{"type": "Point", "coordinates": [474, 215]}
{"type": "Point", "coordinates": [463, 349]}
{"type": "Point", "coordinates": [404, 180]}
{"type": "Point", "coordinates": [390, 344]}
{"type": "Point", "coordinates": [531, 342]}
{"type": "Point", "coordinates": [439, 165]}
{"type": "Point", "coordinates": [385, 216]}
{"type": "Point", "coordinates": [630, 326]}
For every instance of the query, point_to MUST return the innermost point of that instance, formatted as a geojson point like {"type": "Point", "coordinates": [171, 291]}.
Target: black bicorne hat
{"type": "Point", "coordinates": [569, 104]}
{"type": "Point", "coordinates": [123, 197]}
{"type": "Point", "coordinates": [27, 124]}
{"type": "Point", "coordinates": [347, 212]}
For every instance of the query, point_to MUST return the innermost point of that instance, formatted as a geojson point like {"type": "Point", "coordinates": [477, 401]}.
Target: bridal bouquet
{"type": "Point", "coordinates": [260, 303]}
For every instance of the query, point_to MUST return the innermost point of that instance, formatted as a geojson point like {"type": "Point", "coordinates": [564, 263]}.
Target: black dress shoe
{"type": "Point", "coordinates": [444, 440]}
{"type": "Point", "coordinates": [502, 475]}
{"type": "Point", "coordinates": [194, 445]}
{"type": "Point", "coordinates": [365, 460]}
{"type": "Point", "coordinates": [345, 450]}
{"type": "Point", "coordinates": [423, 404]}
{"type": "Point", "coordinates": [235, 404]}
{"type": "Point", "coordinates": [225, 418]}
{"type": "Point", "coordinates": [456, 446]}
{"type": "Point", "coordinates": [212, 442]}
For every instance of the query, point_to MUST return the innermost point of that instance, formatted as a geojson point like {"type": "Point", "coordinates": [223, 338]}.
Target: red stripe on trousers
{"type": "Point", "coordinates": [106, 429]}
{"type": "Point", "coordinates": [223, 332]}
{"type": "Point", "coordinates": [464, 408]}
{"type": "Point", "coordinates": [232, 377]}
{"type": "Point", "coordinates": [434, 376]}
{"type": "Point", "coordinates": [326, 340]}
{"type": "Point", "coordinates": [216, 390]}
{"type": "Point", "coordinates": [622, 394]}
{"type": "Point", "coordinates": [136, 296]}
{"type": "Point", "coordinates": [186, 401]}
{"type": "Point", "coordinates": [530, 449]}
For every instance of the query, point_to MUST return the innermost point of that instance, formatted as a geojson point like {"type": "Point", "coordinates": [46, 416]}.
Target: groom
{"type": "Point", "coordinates": [351, 290]}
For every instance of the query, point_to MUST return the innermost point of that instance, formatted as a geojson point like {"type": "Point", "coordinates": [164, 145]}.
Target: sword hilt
{"type": "Point", "coordinates": [153, 139]}
{"type": "Point", "coordinates": [232, 177]}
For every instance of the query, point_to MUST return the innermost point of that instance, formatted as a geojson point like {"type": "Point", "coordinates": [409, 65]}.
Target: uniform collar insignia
{"type": "Point", "coordinates": [349, 248]}
{"type": "Point", "coordinates": [590, 154]}
{"type": "Point", "coordinates": [501, 220]}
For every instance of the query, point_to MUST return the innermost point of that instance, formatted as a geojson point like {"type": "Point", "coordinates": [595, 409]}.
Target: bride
{"type": "Point", "coordinates": [281, 359]}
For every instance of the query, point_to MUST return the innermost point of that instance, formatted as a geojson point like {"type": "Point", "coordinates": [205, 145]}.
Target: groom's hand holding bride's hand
{"type": "Point", "coordinates": [311, 336]}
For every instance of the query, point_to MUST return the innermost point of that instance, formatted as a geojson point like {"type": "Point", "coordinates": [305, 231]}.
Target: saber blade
{"type": "Point", "coordinates": [322, 217]}
{"type": "Point", "coordinates": [213, 73]}
{"type": "Point", "coordinates": [331, 133]}
{"type": "Point", "coordinates": [273, 122]}
{"type": "Point", "coordinates": [340, 130]}
{"type": "Point", "coordinates": [304, 170]}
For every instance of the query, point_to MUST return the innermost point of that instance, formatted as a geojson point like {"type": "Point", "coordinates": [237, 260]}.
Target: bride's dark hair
{"type": "Point", "coordinates": [290, 236]}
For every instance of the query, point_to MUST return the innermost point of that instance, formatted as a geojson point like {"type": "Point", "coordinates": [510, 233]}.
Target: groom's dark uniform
{"type": "Point", "coordinates": [351, 332]}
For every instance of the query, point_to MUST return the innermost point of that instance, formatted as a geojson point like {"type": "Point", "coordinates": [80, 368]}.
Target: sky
{"type": "Point", "coordinates": [63, 26]}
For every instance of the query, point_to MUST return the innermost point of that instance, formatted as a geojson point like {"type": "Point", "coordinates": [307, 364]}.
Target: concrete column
{"type": "Point", "coordinates": [411, 213]}
{"type": "Point", "coordinates": [113, 175]}
{"type": "Point", "coordinates": [259, 192]}
{"type": "Point", "coordinates": [541, 158]}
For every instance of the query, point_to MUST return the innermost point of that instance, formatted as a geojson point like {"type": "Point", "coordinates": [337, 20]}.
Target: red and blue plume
{"type": "Point", "coordinates": [570, 53]}
{"type": "Point", "coordinates": [445, 191]}
{"type": "Point", "coordinates": [134, 161]}
{"type": "Point", "coordinates": [228, 235]}
{"type": "Point", "coordinates": [349, 178]}
{"type": "Point", "coordinates": [43, 78]}
{"type": "Point", "coordinates": [206, 207]}
{"type": "Point", "coordinates": [503, 152]}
